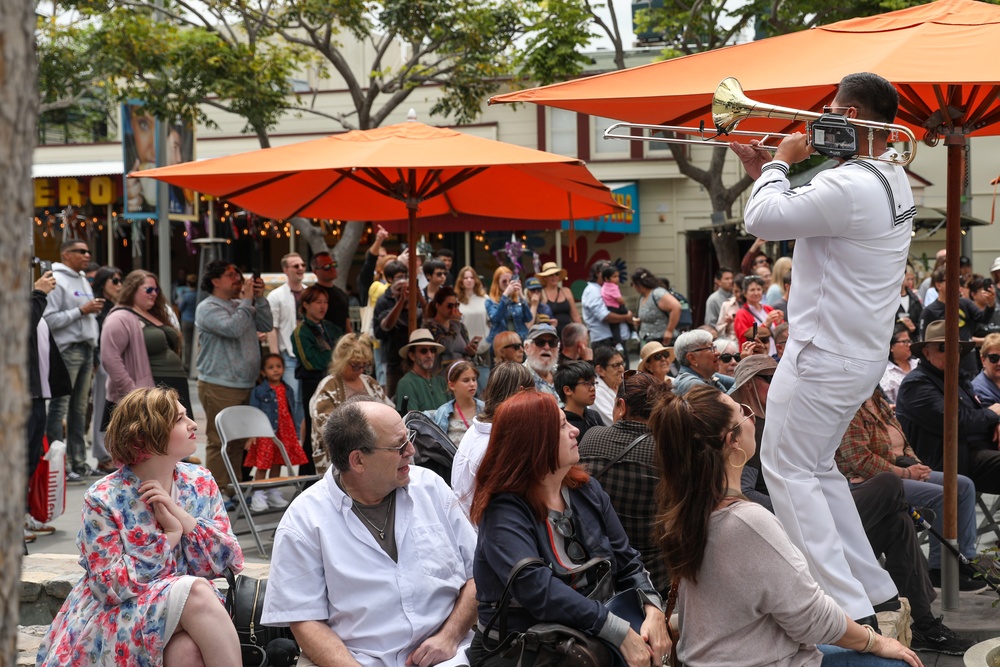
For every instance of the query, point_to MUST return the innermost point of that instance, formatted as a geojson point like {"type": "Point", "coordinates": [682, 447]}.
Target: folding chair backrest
{"type": "Point", "coordinates": [243, 421]}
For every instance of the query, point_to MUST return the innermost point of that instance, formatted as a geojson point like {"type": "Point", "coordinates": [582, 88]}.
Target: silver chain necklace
{"type": "Point", "coordinates": [388, 511]}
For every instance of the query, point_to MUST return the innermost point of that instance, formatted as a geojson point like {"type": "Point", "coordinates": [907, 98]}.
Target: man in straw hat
{"type": "Point", "coordinates": [920, 410]}
{"type": "Point", "coordinates": [852, 228]}
{"type": "Point", "coordinates": [421, 388]}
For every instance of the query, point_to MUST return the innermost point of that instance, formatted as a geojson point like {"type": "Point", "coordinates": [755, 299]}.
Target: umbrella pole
{"type": "Point", "coordinates": [953, 239]}
{"type": "Point", "coordinates": [412, 244]}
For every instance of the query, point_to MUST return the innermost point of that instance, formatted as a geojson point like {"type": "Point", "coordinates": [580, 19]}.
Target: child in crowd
{"type": "Point", "coordinates": [275, 399]}
{"type": "Point", "coordinates": [611, 294]}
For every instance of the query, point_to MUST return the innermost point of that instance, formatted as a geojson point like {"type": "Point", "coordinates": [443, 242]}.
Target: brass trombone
{"type": "Point", "coordinates": [730, 106]}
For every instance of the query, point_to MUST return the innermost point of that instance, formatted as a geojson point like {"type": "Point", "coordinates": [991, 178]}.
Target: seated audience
{"type": "Point", "coordinates": [874, 443]}
{"type": "Point", "coordinates": [506, 380]}
{"type": "Point", "coordinates": [631, 480]}
{"type": "Point", "coordinates": [535, 501]}
{"type": "Point", "coordinates": [576, 380]}
{"type": "Point", "coordinates": [920, 410]}
{"type": "Point", "coordinates": [773, 609]}
{"type": "Point", "coordinates": [373, 564]}
{"type": "Point", "coordinates": [575, 344]}
{"type": "Point", "coordinates": [969, 315]}
{"type": "Point", "coordinates": [541, 348]}
{"type": "Point", "coordinates": [609, 367]}
{"type": "Point", "coordinates": [987, 383]}
{"type": "Point", "coordinates": [698, 360]}
{"type": "Point", "coordinates": [780, 338]}
{"type": "Point", "coordinates": [655, 360]}
{"type": "Point", "coordinates": [421, 388]}
{"type": "Point", "coordinates": [507, 346]}
{"type": "Point", "coordinates": [901, 362]}
{"type": "Point", "coordinates": [729, 356]}
{"type": "Point", "coordinates": [154, 534]}
{"type": "Point", "coordinates": [456, 416]}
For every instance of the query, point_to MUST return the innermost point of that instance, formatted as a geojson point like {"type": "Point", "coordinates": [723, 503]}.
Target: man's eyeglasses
{"type": "Point", "coordinates": [761, 261]}
{"type": "Point", "coordinates": [587, 383]}
{"type": "Point", "coordinates": [79, 251]}
{"type": "Point", "coordinates": [832, 109]}
{"type": "Point", "coordinates": [440, 274]}
{"type": "Point", "coordinates": [765, 378]}
{"type": "Point", "coordinates": [725, 357]}
{"type": "Point", "coordinates": [563, 525]}
{"type": "Point", "coordinates": [546, 342]}
{"type": "Point", "coordinates": [401, 449]}
{"type": "Point", "coordinates": [904, 341]}
{"type": "Point", "coordinates": [747, 414]}
{"type": "Point", "coordinates": [327, 266]}
{"type": "Point", "coordinates": [993, 358]}
{"type": "Point", "coordinates": [151, 290]}
{"type": "Point", "coordinates": [425, 350]}
{"type": "Point", "coordinates": [514, 346]}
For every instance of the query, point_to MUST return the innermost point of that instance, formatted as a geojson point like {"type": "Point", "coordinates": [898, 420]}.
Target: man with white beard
{"type": "Point", "coordinates": [542, 351]}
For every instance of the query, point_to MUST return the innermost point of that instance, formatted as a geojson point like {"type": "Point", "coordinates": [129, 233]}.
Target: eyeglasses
{"type": "Point", "coordinates": [726, 357]}
{"type": "Point", "coordinates": [765, 378]}
{"type": "Point", "coordinates": [620, 364]}
{"type": "Point", "coordinates": [116, 281]}
{"type": "Point", "coordinates": [830, 109]}
{"type": "Point", "coordinates": [411, 436]}
{"type": "Point", "coordinates": [747, 414]}
{"type": "Point", "coordinates": [659, 356]}
{"type": "Point", "coordinates": [994, 358]}
{"type": "Point", "coordinates": [451, 306]}
{"type": "Point", "coordinates": [624, 385]}
{"type": "Point", "coordinates": [514, 346]}
{"type": "Point", "coordinates": [546, 342]}
{"type": "Point", "coordinates": [760, 261]}
{"type": "Point", "coordinates": [79, 251]}
{"type": "Point", "coordinates": [151, 290]}
{"type": "Point", "coordinates": [327, 266]}
{"type": "Point", "coordinates": [940, 347]}
{"type": "Point", "coordinates": [564, 526]}
{"type": "Point", "coordinates": [587, 383]}
{"type": "Point", "coordinates": [357, 367]}
{"type": "Point", "coordinates": [701, 349]}
{"type": "Point", "coordinates": [440, 274]}
{"type": "Point", "coordinates": [904, 341]}
{"type": "Point", "coordinates": [425, 350]}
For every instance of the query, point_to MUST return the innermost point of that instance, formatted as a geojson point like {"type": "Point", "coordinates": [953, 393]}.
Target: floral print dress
{"type": "Point", "coordinates": [117, 613]}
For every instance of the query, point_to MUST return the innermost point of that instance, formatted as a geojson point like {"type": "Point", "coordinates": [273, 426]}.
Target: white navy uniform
{"type": "Point", "coordinates": [852, 228]}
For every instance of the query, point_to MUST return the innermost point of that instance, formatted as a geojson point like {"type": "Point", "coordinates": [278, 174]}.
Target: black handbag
{"type": "Point", "coordinates": [557, 645]}
{"type": "Point", "coordinates": [245, 604]}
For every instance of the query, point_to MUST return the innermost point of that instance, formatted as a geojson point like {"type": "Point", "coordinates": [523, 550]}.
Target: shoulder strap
{"type": "Point", "coordinates": [620, 456]}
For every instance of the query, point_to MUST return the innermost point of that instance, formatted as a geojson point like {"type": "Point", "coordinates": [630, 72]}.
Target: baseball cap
{"type": "Point", "coordinates": [539, 330]}
{"type": "Point", "coordinates": [532, 283]}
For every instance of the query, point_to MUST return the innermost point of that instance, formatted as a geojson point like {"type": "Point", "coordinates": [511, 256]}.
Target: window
{"type": "Point", "coordinates": [607, 148]}
{"type": "Point", "coordinates": [562, 132]}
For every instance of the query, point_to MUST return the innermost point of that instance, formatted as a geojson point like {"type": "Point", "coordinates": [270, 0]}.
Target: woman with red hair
{"type": "Point", "coordinates": [533, 500]}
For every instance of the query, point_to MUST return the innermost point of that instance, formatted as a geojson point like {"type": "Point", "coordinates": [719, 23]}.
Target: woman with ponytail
{"type": "Point", "coordinates": [744, 592]}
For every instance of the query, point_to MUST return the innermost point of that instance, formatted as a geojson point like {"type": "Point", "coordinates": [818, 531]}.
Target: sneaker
{"type": "Point", "coordinates": [939, 638]}
{"type": "Point", "coordinates": [29, 536]}
{"type": "Point", "coordinates": [258, 502]}
{"type": "Point", "coordinates": [620, 349]}
{"type": "Point", "coordinates": [106, 468]}
{"type": "Point", "coordinates": [87, 471]}
{"type": "Point", "coordinates": [634, 337]}
{"type": "Point", "coordinates": [965, 584]}
{"type": "Point", "coordinates": [229, 504]}
{"type": "Point", "coordinates": [275, 500]}
{"type": "Point", "coordinates": [35, 526]}
{"type": "Point", "coordinates": [73, 477]}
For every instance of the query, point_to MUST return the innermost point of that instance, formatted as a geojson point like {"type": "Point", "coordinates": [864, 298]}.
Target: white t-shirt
{"type": "Point", "coordinates": [470, 454]}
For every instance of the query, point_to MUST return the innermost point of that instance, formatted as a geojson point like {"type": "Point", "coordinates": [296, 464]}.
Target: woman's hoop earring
{"type": "Point", "coordinates": [737, 465]}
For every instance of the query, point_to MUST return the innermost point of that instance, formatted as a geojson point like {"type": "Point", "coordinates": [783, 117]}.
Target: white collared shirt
{"type": "Point", "coordinates": [326, 566]}
{"type": "Point", "coordinates": [470, 454]}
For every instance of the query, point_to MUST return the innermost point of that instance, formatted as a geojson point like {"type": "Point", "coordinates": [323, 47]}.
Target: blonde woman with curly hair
{"type": "Point", "coordinates": [347, 375]}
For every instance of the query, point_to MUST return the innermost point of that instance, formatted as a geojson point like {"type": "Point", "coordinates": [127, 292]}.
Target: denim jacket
{"type": "Point", "coordinates": [509, 532]}
{"type": "Point", "coordinates": [265, 398]}
{"type": "Point", "coordinates": [441, 415]}
{"type": "Point", "coordinates": [520, 313]}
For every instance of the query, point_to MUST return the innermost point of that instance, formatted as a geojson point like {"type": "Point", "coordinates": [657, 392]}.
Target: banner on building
{"type": "Point", "coordinates": [624, 222]}
{"type": "Point", "coordinates": [140, 133]}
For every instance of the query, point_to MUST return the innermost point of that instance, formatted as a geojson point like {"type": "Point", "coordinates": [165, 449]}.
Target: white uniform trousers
{"type": "Point", "coordinates": [813, 397]}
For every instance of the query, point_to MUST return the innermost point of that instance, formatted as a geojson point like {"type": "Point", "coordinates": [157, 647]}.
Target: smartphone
{"type": "Point", "coordinates": [44, 265]}
{"type": "Point", "coordinates": [754, 331]}
{"type": "Point", "coordinates": [256, 275]}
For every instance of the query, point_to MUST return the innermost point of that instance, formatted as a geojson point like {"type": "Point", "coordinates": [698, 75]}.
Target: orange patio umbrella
{"type": "Point", "coordinates": [406, 172]}
{"type": "Point", "coordinates": [942, 58]}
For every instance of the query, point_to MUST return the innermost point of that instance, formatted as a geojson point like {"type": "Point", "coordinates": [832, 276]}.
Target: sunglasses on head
{"type": "Point", "coordinates": [624, 386]}
{"type": "Point", "coordinates": [725, 357]}
{"type": "Point", "coordinates": [151, 290]}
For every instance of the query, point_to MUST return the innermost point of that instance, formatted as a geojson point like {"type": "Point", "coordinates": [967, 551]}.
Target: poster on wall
{"type": "Point", "coordinates": [139, 138]}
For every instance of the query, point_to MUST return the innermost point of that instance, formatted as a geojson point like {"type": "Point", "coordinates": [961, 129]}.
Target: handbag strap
{"type": "Point", "coordinates": [675, 583]}
{"type": "Point", "coordinates": [620, 456]}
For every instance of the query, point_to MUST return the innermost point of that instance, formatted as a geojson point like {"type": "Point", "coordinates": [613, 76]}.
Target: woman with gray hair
{"type": "Point", "coordinates": [698, 360]}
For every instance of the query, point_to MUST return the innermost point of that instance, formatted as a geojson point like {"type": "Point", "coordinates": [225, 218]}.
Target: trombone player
{"type": "Point", "coordinates": [852, 229]}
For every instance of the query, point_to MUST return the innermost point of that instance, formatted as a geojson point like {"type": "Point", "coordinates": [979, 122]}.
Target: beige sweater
{"type": "Point", "coordinates": [755, 602]}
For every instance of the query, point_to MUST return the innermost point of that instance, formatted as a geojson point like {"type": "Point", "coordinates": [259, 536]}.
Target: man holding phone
{"type": "Point", "coordinates": [71, 315]}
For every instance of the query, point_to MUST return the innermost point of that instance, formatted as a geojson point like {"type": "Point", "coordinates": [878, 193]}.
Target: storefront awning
{"type": "Point", "coordinates": [70, 169]}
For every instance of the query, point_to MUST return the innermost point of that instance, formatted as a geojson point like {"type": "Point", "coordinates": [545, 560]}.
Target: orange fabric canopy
{"type": "Point", "coordinates": [375, 174]}
{"type": "Point", "coordinates": [945, 51]}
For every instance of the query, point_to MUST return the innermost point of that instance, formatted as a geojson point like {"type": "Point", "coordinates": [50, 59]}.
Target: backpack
{"type": "Point", "coordinates": [435, 451]}
{"type": "Point", "coordinates": [685, 322]}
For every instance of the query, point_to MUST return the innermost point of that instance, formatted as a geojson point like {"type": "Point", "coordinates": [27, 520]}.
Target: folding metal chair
{"type": "Point", "coordinates": [990, 513]}
{"type": "Point", "coordinates": [236, 424]}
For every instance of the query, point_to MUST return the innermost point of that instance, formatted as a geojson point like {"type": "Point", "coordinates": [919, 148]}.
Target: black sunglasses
{"type": "Point", "coordinates": [726, 357]}
{"type": "Point", "coordinates": [116, 281]}
{"type": "Point", "coordinates": [564, 526]}
{"type": "Point", "coordinates": [994, 358]}
{"type": "Point", "coordinates": [659, 356]}
{"type": "Point", "coordinates": [514, 346]}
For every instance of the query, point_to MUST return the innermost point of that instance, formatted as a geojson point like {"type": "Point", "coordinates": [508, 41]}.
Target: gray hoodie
{"type": "Point", "coordinates": [63, 315]}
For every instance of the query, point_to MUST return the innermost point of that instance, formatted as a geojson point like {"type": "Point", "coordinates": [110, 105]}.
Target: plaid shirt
{"type": "Point", "coordinates": [631, 485]}
{"type": "Point", "coordinates": [865, 449]}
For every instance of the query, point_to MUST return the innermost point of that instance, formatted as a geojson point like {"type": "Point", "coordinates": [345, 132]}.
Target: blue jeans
{"type": "Point", "coordinates": [834, 656]}
{"type": "Point", "coordinates": [929, 494]}
{"type": "Point", "coordinates": [298, 409]}
{"type": "Point", "coordinates": [79, 360]}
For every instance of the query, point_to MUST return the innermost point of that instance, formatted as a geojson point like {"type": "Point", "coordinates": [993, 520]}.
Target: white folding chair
{"type": "Point", "coordinates": [236, 424]}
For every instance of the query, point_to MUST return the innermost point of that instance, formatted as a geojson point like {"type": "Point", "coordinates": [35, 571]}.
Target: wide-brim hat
{"type": "Point", "coordinates": [750, 367]}
{"type": "Point", "coordinates": [420, 337]}
{"type": "Point", "coordinates": [551, 268]}
{"type": "Point", "coordinates": [935, 334]}
{"type": "Point", "coordinates": [651, 348]}
{"type": "Point", "coordinates": [996, 265]}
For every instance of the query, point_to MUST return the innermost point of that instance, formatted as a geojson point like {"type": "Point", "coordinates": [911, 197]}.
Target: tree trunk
{"type": "Point", "coordinates": [18, 109]}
